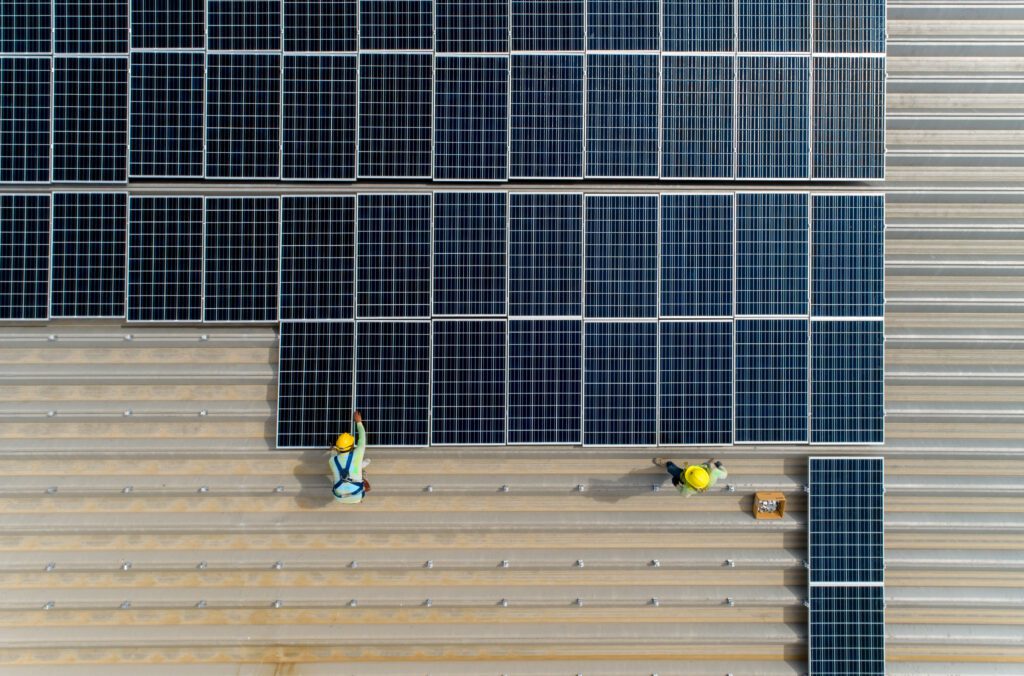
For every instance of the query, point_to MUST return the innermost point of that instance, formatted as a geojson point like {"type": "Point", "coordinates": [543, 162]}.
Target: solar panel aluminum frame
{"type": "Point", "coordinates": [49, 259]}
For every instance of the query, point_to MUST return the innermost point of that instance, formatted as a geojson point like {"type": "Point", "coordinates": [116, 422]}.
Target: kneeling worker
{"type": "Point", "coordinates": [347, 464]}
{"type": "Point", "coordinates": [693, 479]}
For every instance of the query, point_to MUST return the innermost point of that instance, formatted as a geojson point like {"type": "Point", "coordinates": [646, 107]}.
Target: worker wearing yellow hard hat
{"type": "Point", "coordinates": [693, 479]}
{"type": "Point", "coordinates": [347, 463]}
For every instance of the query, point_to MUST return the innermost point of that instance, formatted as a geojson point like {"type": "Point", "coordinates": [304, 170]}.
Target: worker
{"type": "Point", "coordinates": [693, 479]}
{"type": "Point", "coordinates": [347, 464]}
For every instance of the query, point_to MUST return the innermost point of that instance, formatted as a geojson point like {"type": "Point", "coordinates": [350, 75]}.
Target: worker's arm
{"type": "Point", "coordinates": [360, 433]}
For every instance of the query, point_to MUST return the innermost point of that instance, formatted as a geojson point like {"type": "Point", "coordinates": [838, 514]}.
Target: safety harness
{"type": "Point", "coordinates": [343, 472]}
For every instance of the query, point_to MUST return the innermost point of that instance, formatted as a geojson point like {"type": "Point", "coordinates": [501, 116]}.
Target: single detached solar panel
{"type": "Point", "coordinates": [771, 254]}
{"type": "Point", "coordinates": [471, 26]}
{"type": "Point", "coordinates": [468, 381]}
{"type": "Point", "coordinates": [622, 115]}
{"type": "Point", "coordinates": [471, 118]}
{"type": "Point", "coordinates": [88, 255]}
{"type": "Point", "coordinates": [545, 26]}
{"type": "Point", "coordinates": [849, 117]}
{"type": "Point", "coordinates": [90, 119]}
{"type": "Point", "coordinates": [546, 116]}
{"type": "Point", "coordinates": [698, 25]}
{"type": "Point", "coordinates": [848, 256]}
{"type": "Point", "coordinates": [318, 235]}
{"type": "Point", "coordinates": [165, 259]}
{"type": "Point", "coordinates": [396, 24]}
{"type": "Point", "coordinates": [314, 387]}
{"type": "Point", "coordinates": [320, 25]}
{"type": "Point", "coordinates": [393, 256]}
{"type": "Point", "coordinates": [26, 27]}
{"type": "Point", "coordinates": [846, 26]}
{"type": "Point", "coordinates": [25, 119]}
{"type": "Point", "coordinates": [773, 25]}
{"type": "Point", "coordinates": [545, 254]}
{"type": "Point", "coordinates": [623, 25]}
{"type": "Point", "coordinates": [545, 381]}
{"type": "Point", "coordinates": [697, 116]}
{"type": "Point", "coordinates": [772, 117]}
{"type": "Point", "coordinates": [622, 256]}
{"type": "Point", "coordinates": [24, 257]}
{"type": "Point", "coordinates": [319, 118]}
{"type": "Point", "coordinates": [250, 25]}
{"type": "Point", "coordinates": [771, 380]}
{"type": "Point", "coordinates": [243, 115]}
{"type": "Point", "coordinates": [847, 382]}
{"type": "Point", "coordinates": [620, 383]}
{"type": "Point", "coordinates": [847, 631]}
{"type": "Point", "coordinates": [167, 126]}
{"type": "Point", "coordinates": [696, 255]}
{"type": "Point", "coordinates": [696, 384]}
{"type": "Point", "coordinates": [393, 381]}
{"type": "Point", "coordinates": [163, 24]}
{"type": "Point", "coordinates": [470, 253]}
{"type": "Point", "coordinates": [241, 270]}
{"type": "Point", "coordinates": [395, 115]}
{"type": "Point", "coordinates": [90, 26]}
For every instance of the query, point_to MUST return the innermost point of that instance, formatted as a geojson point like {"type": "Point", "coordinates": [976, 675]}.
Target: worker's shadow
{"type": "Point", "coordinates": [640, 481]}
{"type": "Point", "coordinates": [314, 480]}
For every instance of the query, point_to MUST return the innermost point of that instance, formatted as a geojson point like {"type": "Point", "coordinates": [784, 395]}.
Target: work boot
{"type": "Point", "coordinates": [660, 462]}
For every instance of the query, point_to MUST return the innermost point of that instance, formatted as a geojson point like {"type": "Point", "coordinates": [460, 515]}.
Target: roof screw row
{"type": "Point", "coordinates": [48, 605]}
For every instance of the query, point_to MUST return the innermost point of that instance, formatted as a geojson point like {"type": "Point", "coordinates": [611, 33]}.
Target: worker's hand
{"type": "Point", "coordinates": [357, 416]}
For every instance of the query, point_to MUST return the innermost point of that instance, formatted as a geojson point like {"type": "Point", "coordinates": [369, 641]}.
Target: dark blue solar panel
{"type": "Point", "coordinates": [697, 117]}
{"type": "Point", "coordinates": [848, 256]}
{"type": "Point", "coordinates": [395, 115]}
{"type": "Point", "coordinates": [167, 115]}
{"type": "Point", "coordinates": [165, 259]}
{"type": "Point", "coordinates": [319, 118]}
{"type": "Point", "coordinates": [393, 381]}
{"type": "Point", "coordinates": [396, 24]}
{"type": "Point", "coordinates": [624, 25]}
{"type": "Point", "coordinates": [393, 256]}
{"type": "Point", "coordinates": [90, 119]}
{"type": "Point", "coordinates": [468, 382]}
{"type": "Point", "coordinates": [847, 631]}
{"type": "Point", "coordinates": [24, 256]}
{"type": "Point", "coordinates": [622, 256]}
{"type": "Point", "coordinates": [317, 256]}
{"type": "Point", "coordinates": [849, 118]}
{"type": "Point", "coordinates": [696, 383]}
{"type": "Point", "coordinates": [773, 25]}
{"type": "Point", "coordinates": [771, 380]}
{"type": "Point", "coordinates": [25, 27]}
{"type": "Point", "coordinates": [320, 25]}
{"type": "Point", "coordinates": [545, 381]}
{"type": "Point", "coordinates": [696, 255]}
{"type": "Point", "coordinates": [622, 115]}
{"type": "Point", "coordinates": [620, 383]}
{"type": "Point", "coordinates": [771, 254]}
{"type": "Point", "coordinates": [314, 387]}
{"type": "Point", "coordinates": [469, 253]}
{"type": "Point", "coordinates": [545, 254]}
{"type": "Point", "coordinates": [471, 26]}
{"type": "Point", "coordinates": [545, 26]}
{"type": "Point", "coordinates": [847, 382]}
{"type": "Point", "coordinates": [772, 117]}
{"type": "Point", "coordinates": [244, 25]}
{"type": "Point", "coordinates": [698, 25]}
{"type": "Point", "coordinates": [843, 26]}
{"type": "Point", "coordinates": [846, 521]}
{"type": "Point", "coordinates": [243, 116]}
{"type": "Point", "coordinates": [241, 272]}
{"type": "Point", "coordinates": [25, 119]}
{"type": "Point", "coordinates": [88, 255]}
{"type": "Point", "coordinates": [471, 118]}
{"type": "Point", "coordinates": [168, 24]}
{"type": "Point", "coordinates": [546, 116]}
{"type": "Point", "coordinates": [90, 26]}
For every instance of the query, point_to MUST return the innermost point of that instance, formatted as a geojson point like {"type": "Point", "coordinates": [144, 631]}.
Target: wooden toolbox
{"type": "Point", "coordinates": [769, 505]}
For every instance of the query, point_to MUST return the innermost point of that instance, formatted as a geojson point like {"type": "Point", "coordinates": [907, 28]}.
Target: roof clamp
{"type": "Point", "coordinates": [729, 601]}
{"type": "Point", "coordinates": [277, 604]}
{"type": "Point", "coordinates": [48, 605]}
{"type": "Point", "coordinates": [127, 413]}
{"type": "Point", "coordinates": [428, 603]}
{"type": "Point", "coordinates": [729, 563]}
{"type": "Point", "coordinates": [503, 603]}
{"type": "Point", "coordinates": [654, 602]}
{"type": "Point", "coordinates": [278, 565]}
{"type": "Point", "coordinates": [204, 337]}
{"type": "Point", "coordinates": [655, 488]}
{"type": "Point", "coordinates": [428, 488]}
{"type": "Point", "coordinates": [52, 337]}
{"type": "Point", "coordinates": [125, 605]}
{"type": "Point", "coordinates": [201, 604]}
{"type": "Point", "coordinates": [51, 490]}
{"type": "Point", "coordinates": [50, 566]}
{"type": "Point", "coordinates": [127, 489]}
{"type": "Point", "coordinates": [353, 603]}
{"type": "Point", "coordinates": [579, 602]}
{"type": "Point", "coordinates": [126, 565]}
{"type": "Point", "coordinates": [504, 563]}
{"type": "Point", "coordinates": [580, 488]}
{"type": "Point", "coordinates": [807, 564]}
{"type": "Point", "coordinates": [354, 564]}
{"type": "Point", "coordinates": [50, 414]}
{"type": "Point", "coordinates": [729, 488]}
{"type": "Point", "coordinates": [504, 488]}
{"type": "Point", "coordinates": [204, 489]}
{"type": "Point", "coordinates": [279, 489]}
{"type": "Point", "coordinates": [579, 563]}
{"type": "Point", "coordinates": [203, 413]}
{"type": "Point", "coordinates": [201, 565]}
{"type": "Point", "coordinates": [429, 563]}
{"type": "Point", "coordinates": [655, 563]}
{"type": "Point", "coordinates": [129, 336]}
{"type": "Point", "coordinates": [807, 489]}
{"type": "Point", "coordinates": [807, 603]}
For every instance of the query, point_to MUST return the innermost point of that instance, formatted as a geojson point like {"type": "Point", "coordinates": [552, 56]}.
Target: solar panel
{"type": "Point", "coordinates": [243, 115]}
{"type": "Point", "coordinates": [469, 253]}
{"type": "Point", "coordinates": [393, 381]}
{"type": "Point", "coordinates": [845, 26]}
{"type": "Point", "coordinates": [319, 118]}
{"type": "Point", "coordinates": [24, 257]}
{"type": "Point", "coordinates": [235, 25]}
{"type": "Point", "coordinates": [317, 257]}
{"type": "Point", "coordinates": [90, 119]}
{"type": "Point", "coordinates": [87, 257]}
{"type": "Point", "coordinates": [847, 631]}
{"type": "Point", "coordinates": [772, 117]}
{"type": "Point", "coordinates": [771, 254]}
{"type": "Point", "coordinates": [393, 256]}
{"type": "Point", "coordinates": [622, 256]}
{"type": "Point", "coordinates": [848, 256]}
{"type": "Point", "coordinates": [314, 386]}
{"type": "Point", "coordinates": [544, 381]}
{"type": "Point", "coordinates": [241, 266]}
{"type": "Point", "coordinates": [160, 24]}
{"type": "Point", "coordinates": [546, 116]}
{"type": "Point", "coordinates": [773, 25]}
{"type": "Point", "coordinates": [620, 383]}
{"type": "Point", "coordinates": [545, 254]}
{"type": "Point", "coordinates": [396, 24]}
{"type": "Point", "coordinates": [320, 25]}
{"type": "Point", "coordinates": [545, 26]}
{"type": "Point", "coordinates": [698, 25]}
{"type": "Point", "coordinates": [471, 118]}
{"type": "Point", "coordinates": [847, 382]}
{"type": "Point", "coordinates": [849, 118]}
{"type": "Point", "coordinates": [471, 26]}
{"type": "Point", "coordinates": [771, 380]}
{"type": "Point", "coordinates": [26, 27]}
{"type": "Point", "coordinates": [165, 259]}
{"type": "Point", "coordinates": [622, 115]}
{"type": "Point", "coordinates": [468, 381]}
{"type": "Point", "coordinates": [697, 117]}
{"type": "Point", "coordinates": [696, 383]}
{"type": "Point", "coordinates": [25, 119]}
{"type": "Point", "coordinates": [395, 115]}
{"type": "Point", "coordinates": [90, 26]}
{"type": "Point", "coordinates": [696, 255]}
{"type": "Point", "coordinates": [626, 25]}
{"type": "Point", "coordinates": [166, 115]}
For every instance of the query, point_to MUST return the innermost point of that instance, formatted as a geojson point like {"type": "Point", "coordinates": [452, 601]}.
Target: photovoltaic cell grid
{"type": "Point", "coordinates": [235, 25]}
{"type": "Point", "coordinates": [848, 256]}
{"type": "Point", "coordinates": [317, 257]}
{"type": "Point", "coordinates": [620, 376]}
{"type": "Point", "coordinates": [698, 25]}
{"type": "Point", "coordinates": [849, 26]}
{"type": "Point", "coordinates": [546, 116]}
{"type": "Point", "coordinates": [696, 255]}
{"type": "Point", "coordinates": [314, 391]}
{"type": "Point", "coordinates": [393, 380]}
{"type": "Point", "coordinates": [24, 256]}
{"type": "Point", "coordinates": [319, 117]}
{"type": "Point", "coordinates": [697, 116]}
{"type": "Point", "coordinates": [847, 382]}
{"type": "Point", "coordinates": [469, 253]}
{"type": "Point", "coordinates": [846, 521]}
{"type": "Point", "coordinates": [26, 27]}
{"type": "Point", "coordinates": [847, 631]}
{"type": "Point", "coordinates": [544, 380]}
{"type": "Point", "coordinates": [395, 115]}
{"type": "Point", "coordinates": [545, 254]}
{"type": "Point", "coordinates": [622, 256]}
{"type": "Point", "coordinates": [90, 119]}
{"type": "Point", "coordinates": [393, 256]}
{"type": "Point", "coordinates": [471, 26]}
{"type": "Point", "coordinates": [545, 26]}
{"type": "Point", "coordinates": [773, 25]}
{"type": "Point", "coordinates": [771, 254]}
{"type": "Point", "coordinates": [622, 115]}
{"type": "Point", "coordinates": [241, 270]}
{"type": "Point", "coordinates": [165, 259]}
{"type": "Point", "coordinates": [468, 381]}
{"type": "Point", "coordinates": [166, 115]}
{"type": "Point", "coordinates": [88, 255]}
{"type": "Point", "coordinates": [849, 117]}
{"type": "Point", "coordinates": [696, 383]}
{"type": "Point", "coordinates": [772, 117]}
{"type": "Point", "coordinates": [320, 25]}
{"type": "Point", "coordinates": [243, 116]}
{"type": "Point", "coordinates": [166, 24]}
{"type": "Point", "coordinates": [471, 118]}
{"type": "Point", "coordinates": [771, 380]}
{"type": "Point", "coordinates": [623, 25]}
{"type": "Point", "coordinates": [90, 26]}
{"type": "Point", "coordinates": [396, 24]}
{"type": "Point", "coordinates": [25, 119]}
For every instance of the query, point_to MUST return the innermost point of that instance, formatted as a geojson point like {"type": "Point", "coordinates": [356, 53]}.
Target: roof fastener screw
{"type": "Point", "coordinates": [279, 489]}
{"type": "Point", "coordinates": [201, 565]}
{"type": "Point", "coordinates": [50, 414]}
{"type": "Point", "coordinates": [353, 603]}
{"type": "Point", "coordinates": [580, 488]}
{"type": "Point", "coordinates": [125, 605]}
{"type": "Point", "coordinates": [504, 563]}
{"type": "Point", "coordinates": [204, 413]}
{"type": "Point", "coordinates": [277, 604]}
{"type": "Point", "coordinates": [201, 604]}
{"type": "Point", "coordinates": [278, 565]}
{"type": "Point", "coordinates": [428, 488]}
{"type": "Point", "coordinates": [51, 337]}
{"type": "Point", "coordinates": [655, 602]}
{"type": "Point", "coordinates": [579, 563]}
{"type": "Point", "coordinates": [127, 412]}
{"type": "Point", "coordinates": [129, 336]}
{"type": "Point", "coordinates": [126, 565]}
{"type": "Point", "coordinates": [204, 337]}
{"type": "Point", "coordinates": [503, 603]}
{"type": "Point", "coordinates": [429, 564]}
{"type": "Point", "coordinates": [48, 605]}
{"type": "Point", "coordinates": [204, 489]}
{"type": "Point", "coordinates": [730, 488]}
{"type": "Point", "coordinates": [127, 489]}
{"type": "Point", "coordinates": [729, 601]}
{"type": "Point", "coordinates": [579, 602]}
{"type": "Point", "coordinates": [656, 563]}
{"type": "Point", "coordinates": [428, 603]}
{"type": "Point", "coordinates": [51, 490]}
{"type": "Point", "coordinates": [730, 563]}
{"type": "Point", "coordinates": [50, 566]}
{"type": "Point", "coordinates": [655, 488]}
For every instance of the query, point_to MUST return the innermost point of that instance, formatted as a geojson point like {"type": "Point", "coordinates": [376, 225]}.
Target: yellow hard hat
{"type": "Point", "coordinates": [345, 441]}
{"type": "Point", "coordinates": [697, 477]}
